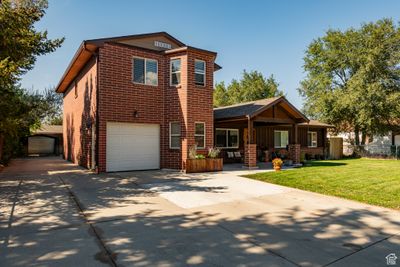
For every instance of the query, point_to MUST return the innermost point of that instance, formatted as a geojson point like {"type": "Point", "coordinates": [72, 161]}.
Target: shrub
{"type": "Point", "coordinates": [192, 152]}
{"type": "Point", "coordinates": [200, 156]}
{"type": "Point", "coordinates": [213, 152]}
{"type": "Point", "coordinates": [277, 162]}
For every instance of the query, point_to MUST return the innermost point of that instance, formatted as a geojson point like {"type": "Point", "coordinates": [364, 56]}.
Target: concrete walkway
{"type": "Point", "coordinates": [55, 214]}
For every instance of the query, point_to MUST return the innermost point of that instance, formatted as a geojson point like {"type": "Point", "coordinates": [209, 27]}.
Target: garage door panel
{"type": "Point", "coordinates": [41, 145]}
{"type": "Point", "coordinates": [132, 146]}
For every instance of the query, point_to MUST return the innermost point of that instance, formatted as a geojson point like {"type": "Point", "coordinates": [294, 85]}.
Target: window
{"type": "Point", "coordinates": [312, 139]}
{"type": "Point", "coordinates": [281, 139]}
{"type": "Point", "coordinates": [227, 138]}
{"type": "Point", "coordinates": [200, 72]}
{"type": "Point", "coordinates": [175, 135]}
{"type": "Point", "coordinates": [175, 78]}
{"type": "Point", "coordinates": [145, 71]}
{"type": "Point", "coordinates": [199, 134]}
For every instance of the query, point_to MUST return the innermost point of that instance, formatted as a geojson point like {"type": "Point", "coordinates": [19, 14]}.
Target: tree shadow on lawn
{"type": "Point", "coordinates": [322, 163]}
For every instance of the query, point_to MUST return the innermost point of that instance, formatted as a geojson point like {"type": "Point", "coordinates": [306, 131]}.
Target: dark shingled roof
{"type": "Point", "coordinates": [242, 109]}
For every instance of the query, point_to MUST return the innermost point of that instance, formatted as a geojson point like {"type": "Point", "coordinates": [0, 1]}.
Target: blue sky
{"type": "Point", "coordinates": [268, 36]}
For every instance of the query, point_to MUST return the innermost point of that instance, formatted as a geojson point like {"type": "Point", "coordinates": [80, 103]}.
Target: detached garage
{"type": "Point", "coordinates": [41, 145]}
{"type": "Point", "coordinates": [45, 141]}
{"type": "Point", "coordinates": [132, 146]}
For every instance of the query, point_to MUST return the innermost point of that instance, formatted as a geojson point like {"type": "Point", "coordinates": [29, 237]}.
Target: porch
{"type": "Point", "coordinates": [265, 129]}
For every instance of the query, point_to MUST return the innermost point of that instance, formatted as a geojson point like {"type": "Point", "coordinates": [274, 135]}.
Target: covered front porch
{"type": "Point", "coordinates": [262, 130]}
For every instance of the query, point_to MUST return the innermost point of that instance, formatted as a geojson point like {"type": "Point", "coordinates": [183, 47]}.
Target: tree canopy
{"type": "Point", "coordinates": [252, 86]}
{"type": "Point", "coordinates": [20, 45]}
{"type": "Point", "coordinates": [353, 78]}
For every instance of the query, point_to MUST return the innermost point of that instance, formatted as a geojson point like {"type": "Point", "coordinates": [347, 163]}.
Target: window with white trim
{"type": "Point", "coordinates": [200, 72]}
{"type": "Point", "coordinates": [145, 71]}
{"type": "Point", "coordinates": [312, 139]}
{"type": "Point", "coordinates": [200, 134]}
{"type": "Point", "coordinates": [281, 139]}
{"type": "Point", "coordinates": [227, 138]}
{"type": "Point", "coordinates": [174, 135]}
{"type": "Point", "coordinates": [175, 69]}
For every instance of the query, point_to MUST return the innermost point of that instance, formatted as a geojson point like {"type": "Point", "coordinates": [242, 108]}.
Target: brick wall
{"type": "Point", "coordinates": [250, 155]}
{"type": "Point", "coordinates": [119, 98]}
{"type": "Point", "coordinates": [313, 150]}
{"type": "Point", "coordinates": [294, 151]}
{"type": "Point", "coordinates": [79, 107]}
{"type": "Point", "coordinates": [199, 102]}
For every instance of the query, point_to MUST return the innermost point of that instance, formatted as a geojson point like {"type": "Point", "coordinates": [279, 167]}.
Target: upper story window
{"type": "Point", "coordinates": [281, 139]}
{"type": "Point", "coordinates": [175, 78]}
{"type": "Point", "coordinates": [145, 71]}
{"type": "Point", "coordinates": [200, 72]}
{"type": "Point", "coordinates": [312, 139]}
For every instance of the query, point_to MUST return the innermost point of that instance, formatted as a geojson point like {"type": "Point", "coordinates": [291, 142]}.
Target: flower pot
{"type": "Point", "coordinates": [277, 168]}
{"type": "Point", "coordinates": [204, 165]}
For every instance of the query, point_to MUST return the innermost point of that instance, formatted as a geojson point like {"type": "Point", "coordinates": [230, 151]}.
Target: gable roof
{"type": "Point", "coordinates": [89, 47]}
{"type": "Point", "coordinates": [49, 129]}
{"type": "Point", "coordinates": [253, 108]}
{"type": "Point", "coordinates": [101, 41]}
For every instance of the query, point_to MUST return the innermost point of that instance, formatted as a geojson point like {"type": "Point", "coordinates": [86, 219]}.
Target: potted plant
{"type": "Point", "coordinates": [277, 163]}
{"type": "Point", "coordinates": [199, 163]}
{"type": "Point", "coordinates": [214, 162]}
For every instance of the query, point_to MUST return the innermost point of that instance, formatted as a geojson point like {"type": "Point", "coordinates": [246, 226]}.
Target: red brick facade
{"type": "Point", "coordinates": [118, 99]}
{"type": "Point", "coordinates": [250, 155]}
{"type": "Point", "coordinates": [79, 116]}
{"type": "Point", "coordinates": [294, 152]}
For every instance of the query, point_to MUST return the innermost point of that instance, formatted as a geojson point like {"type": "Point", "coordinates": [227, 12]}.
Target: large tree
{"type": "Point", "coordinates": [20, 45]}
{"type": "Point", "coordinates": [353, 78]}
{"type": "Point", "coordinates": [252, 86]}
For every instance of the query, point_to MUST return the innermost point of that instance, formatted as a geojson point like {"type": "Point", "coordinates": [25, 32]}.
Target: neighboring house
{"type": "Point", "coordinates": [276, 125]}
{"type": "Point", "coordinates": [141, 101]}
{"type": "Point", "coordinates": [375, 145]}
{"type": "Point", "coordinates": [48, 140]}
{"type": "Point", "coordinates": [137, 102]}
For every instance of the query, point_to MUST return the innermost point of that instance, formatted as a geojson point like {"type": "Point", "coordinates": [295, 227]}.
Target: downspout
{"type": "Point", "coordinates": [97, 113]}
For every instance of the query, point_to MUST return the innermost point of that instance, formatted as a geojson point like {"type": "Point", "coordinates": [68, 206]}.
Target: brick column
{"type": "Point", "coordinates": [294, 150]}
{"type": "Point", "coordinates": [250, 155]}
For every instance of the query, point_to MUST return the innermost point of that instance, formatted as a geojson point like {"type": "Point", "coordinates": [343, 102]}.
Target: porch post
{"type": "Point", "coordinates": [250, 153]}
{"type": "Point", "coordinates": [296, 135]}
{"type": "Point", "coordinates": [295, 147]}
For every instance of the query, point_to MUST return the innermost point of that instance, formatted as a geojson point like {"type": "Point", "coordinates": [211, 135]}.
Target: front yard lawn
{"type": "Point", "coordinates": [370, 181]}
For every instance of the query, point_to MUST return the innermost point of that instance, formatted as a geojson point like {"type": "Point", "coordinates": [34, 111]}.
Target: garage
{"type": "Point", "coordinates": [397, 140]}
{"type": "Point", "coordinates": [132, 146]}
{"type": "Point", "coordinates": [41, 145]}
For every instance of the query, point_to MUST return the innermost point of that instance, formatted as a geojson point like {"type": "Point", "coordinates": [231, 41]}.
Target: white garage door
{"type": "Point", "coordinates": [40, 145]}
{"type": "Point", "coordinates": [397, 140]}
{"type": "Point", "coordinates": [132, 146]}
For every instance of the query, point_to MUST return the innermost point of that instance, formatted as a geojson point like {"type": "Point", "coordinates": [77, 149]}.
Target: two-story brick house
{"type": "Point", "coordinates": [141, 101]}
{"type": "Point", "coordinates": [137, 102]}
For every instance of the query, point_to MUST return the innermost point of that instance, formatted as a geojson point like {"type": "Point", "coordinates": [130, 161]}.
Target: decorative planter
{"type": "Point", "coordinates": [204, 165]}
{"type": "Point", "coordinates": [277, 168]}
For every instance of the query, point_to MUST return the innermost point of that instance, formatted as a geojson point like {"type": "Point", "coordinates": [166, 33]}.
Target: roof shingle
{"type": "Point", "coordinates": [242, 109]}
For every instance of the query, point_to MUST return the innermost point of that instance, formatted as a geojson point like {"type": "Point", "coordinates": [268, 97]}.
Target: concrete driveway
{"type": "Point", "coordinates": [55, 214]}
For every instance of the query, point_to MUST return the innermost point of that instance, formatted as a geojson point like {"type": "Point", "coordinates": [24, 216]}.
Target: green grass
{"type": "Point", "coordinates": [370, 181]}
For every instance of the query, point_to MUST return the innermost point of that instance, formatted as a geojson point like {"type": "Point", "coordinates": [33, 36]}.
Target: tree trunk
{"type": "Point", "coordinates": [357, 136]}
{"type": "Point", "coordinates": [1, 146]}
{"type": "Point", "coordinates": [363, 138]}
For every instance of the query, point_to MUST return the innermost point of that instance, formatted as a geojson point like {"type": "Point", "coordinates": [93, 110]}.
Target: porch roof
{"type": "Point", "coordinates": [254, 108]}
